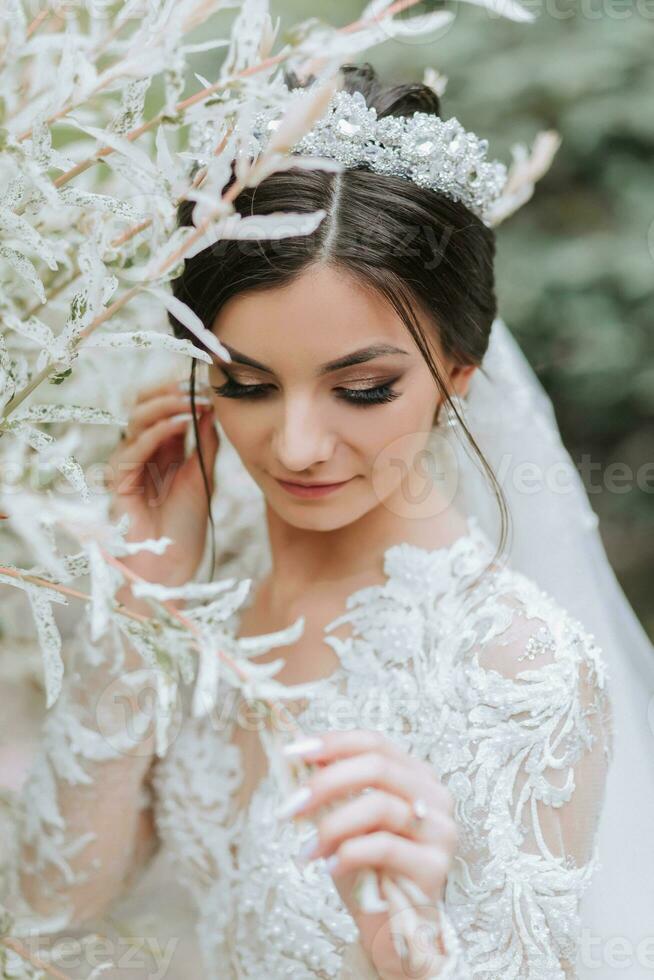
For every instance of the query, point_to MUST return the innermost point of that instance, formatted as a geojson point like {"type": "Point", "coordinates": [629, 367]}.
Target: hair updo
{"type": "Point", "coordinates": [415, 246]}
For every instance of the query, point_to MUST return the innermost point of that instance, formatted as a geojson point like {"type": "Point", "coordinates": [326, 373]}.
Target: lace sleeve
{"type": "Point", "coordinates": [82, 827]}
{"type": "Point", "coordinates": [529, 798]}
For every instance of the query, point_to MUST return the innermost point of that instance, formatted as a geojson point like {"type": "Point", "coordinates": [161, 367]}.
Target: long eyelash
{"type": "Point", "coordinates": [370, 396]}
{"type": "Point", "coordinates": [355, 396]}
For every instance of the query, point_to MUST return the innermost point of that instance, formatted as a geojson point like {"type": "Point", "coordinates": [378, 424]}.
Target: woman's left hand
{"type": "Point", "coordinates": [376, 829]}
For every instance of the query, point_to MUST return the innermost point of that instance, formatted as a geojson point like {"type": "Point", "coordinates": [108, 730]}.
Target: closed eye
{"type": "Point", "coordinates": [355, 396]}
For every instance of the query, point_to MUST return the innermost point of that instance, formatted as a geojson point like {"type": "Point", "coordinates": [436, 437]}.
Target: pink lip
{"type": "Point", "coordinates": [312, 489]}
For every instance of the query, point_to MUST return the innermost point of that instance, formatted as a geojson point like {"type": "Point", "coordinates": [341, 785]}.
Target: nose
{"type": "Point", "coordinates": [301, 439]}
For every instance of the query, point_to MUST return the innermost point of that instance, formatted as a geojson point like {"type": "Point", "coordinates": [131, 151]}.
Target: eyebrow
{"type": "Point", "coordinates": [356, 357]}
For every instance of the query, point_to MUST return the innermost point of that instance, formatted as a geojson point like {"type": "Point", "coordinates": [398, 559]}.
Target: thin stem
{"type": "Point", "coordinates": [36, 23]}
{"type": "Point", "coordinates": [191, 626]}
{"type": "Point", "coordinates": [395, 8]}
{"type": "Point", "coordinates": [173, 610]}
{"type": "Point", "coordinates": [65, 590]}
{"type": "Point", "coordinates": [233, 191]}
{"type": "Point", "coordinates": [101, 318]}
{"type": "Point", "coordinates": [196, 182]}
{"type": "Point", "coordinates": [210, 90]}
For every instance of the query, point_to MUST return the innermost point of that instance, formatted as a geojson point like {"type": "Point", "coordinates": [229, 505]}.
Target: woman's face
{"type": "Point", "coordinates": [298, 416]}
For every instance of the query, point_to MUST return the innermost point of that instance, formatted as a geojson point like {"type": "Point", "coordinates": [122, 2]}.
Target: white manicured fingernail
{"type": "Point", "coordinates": [293, 803]}
{"type": "Point", "coordinates": [201, 400]}
{"type": "Point", "coordinates": [308, 848]}
{"type": "Point", "coordinates": [302, 746]}
{"type": "Point", "coordinates": [331, 863]}
{"type": "Point", "coordinates": [181, 417]}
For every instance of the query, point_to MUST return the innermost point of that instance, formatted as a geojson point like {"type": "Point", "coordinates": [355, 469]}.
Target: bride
{"type": "Point", "coordinates": [461, 738]}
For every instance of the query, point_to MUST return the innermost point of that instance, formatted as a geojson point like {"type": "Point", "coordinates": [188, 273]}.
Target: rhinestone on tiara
{"type": "Point", "coordinates": [433, 153]}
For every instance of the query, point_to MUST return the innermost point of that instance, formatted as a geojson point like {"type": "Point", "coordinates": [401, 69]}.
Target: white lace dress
{"type": "Point", "coordinates": [497, 688]}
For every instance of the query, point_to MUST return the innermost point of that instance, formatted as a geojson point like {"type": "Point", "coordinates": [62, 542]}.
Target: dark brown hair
{"type": "Point", "coordinates": [414, 246]}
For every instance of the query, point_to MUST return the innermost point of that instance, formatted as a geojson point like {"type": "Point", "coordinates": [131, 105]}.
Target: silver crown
{"type": "Point", "coordinates": [434, 153]}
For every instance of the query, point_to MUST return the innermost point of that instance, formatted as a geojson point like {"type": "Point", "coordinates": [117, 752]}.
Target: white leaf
{"type": "Point", "coordinates": [302, 114]}
{"type": "Point", "coordinates": [70, 468]}
{"type": "Point", "coordinates": [32, 328]}
{"type": "Point", "coordinates": [50, 642]}
{"type": "Point", "coordinates": [192, 590]}
{"type": "Point", "coordinates": [167, 689]}
{"type": "Point", "coordinates": [19, 583]}
{"type": "Point", "coordinates": [156, 545]}
{"type": "Point", "coordinates": [75, 197]}
{"type": "Point", "coordinates": [142, 637]}
{"type": "Point", "coordinates": [43, 443]}
{"type": "Point", "coordinates": [276, 162]}
{"type": "Point", "coordinates": [525, 170]}
{"type": "Point", "coordinates": [27, 522]}
{"type": "Point", "coordinates": [15, 225]}
{"type": "Point", "coordinates": [165, 161]}
{"type": "Point", "coordinates": [120, 144]}
{"type": "Point", "coordinates": [130, 113]}
{"type": "Point", "coordinates": [191, 321]}
{"type": "Point", "coordinates": [103, 585]}
{"type": "Point", "coordinates": [213, 614]}
{"type": "Point", "coordinates": [69, 413]}
{"type": "Point", "coordinates": [145, 339]}
{"type": "Point", "coordinates": [419, 25]}
{"type": "Point", "coordinates": [22, 265]}
{"type": "Point", "coordinates": [278, 224]}
{"type": "Point", "coordinates": [204, 82]}
{"type": "Point", "coordinates": [206, 685]}
{"type": "Point", "coordinates": [506, 8]}
{"type": "Point", "coordinates": [204, 46]}
{"type": "Point", "coordinates": [248, 31]}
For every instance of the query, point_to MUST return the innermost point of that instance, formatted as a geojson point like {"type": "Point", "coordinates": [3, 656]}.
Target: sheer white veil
{"type": "Point", "coordinates": [556, 543]}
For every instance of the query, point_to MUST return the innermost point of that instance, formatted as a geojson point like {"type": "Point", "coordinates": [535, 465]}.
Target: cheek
{"type": "Point", "coordinates": [239, 427]}
{"type": "Point", "coordinates": [397, 430]}
{"type": "Point", "coordinates": [397, 452]}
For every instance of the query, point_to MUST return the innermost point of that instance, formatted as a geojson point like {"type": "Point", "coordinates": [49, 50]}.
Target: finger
{"type": "Point", "coordinates": [378, 810]}
{"type": "Point", "coordinates": [167, 388]}
{"type": "Point", "coordinates": [333, 745]}
{"type": "Point", "coordinates": [127, 465]}
{"type": "Point", "coordinates": [359, 771]}
{"type": "Point", "coordinates": [329, 746]}
{"type": "Point", "coordinates": [148, 412]}
{"type": "Point", "coordinates": [425, 864]}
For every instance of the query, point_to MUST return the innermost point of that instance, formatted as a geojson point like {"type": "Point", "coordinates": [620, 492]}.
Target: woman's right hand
{"type": "Point", "coordinates": [162, 491]}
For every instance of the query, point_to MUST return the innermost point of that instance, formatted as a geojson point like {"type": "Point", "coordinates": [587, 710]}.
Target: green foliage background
{"type": "Point", "coordinates": [575, 265]}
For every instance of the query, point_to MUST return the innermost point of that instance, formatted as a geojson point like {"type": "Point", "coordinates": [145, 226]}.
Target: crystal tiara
{"type": "Point", "coordinates": [433, 153]}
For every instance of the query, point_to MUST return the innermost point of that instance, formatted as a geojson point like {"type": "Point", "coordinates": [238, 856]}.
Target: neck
{"type": "Point", "coordinates": [303, 557]}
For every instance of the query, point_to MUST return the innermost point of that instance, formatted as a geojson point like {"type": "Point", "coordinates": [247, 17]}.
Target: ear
{"type": "Point", "coordinates": [460, 377]}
